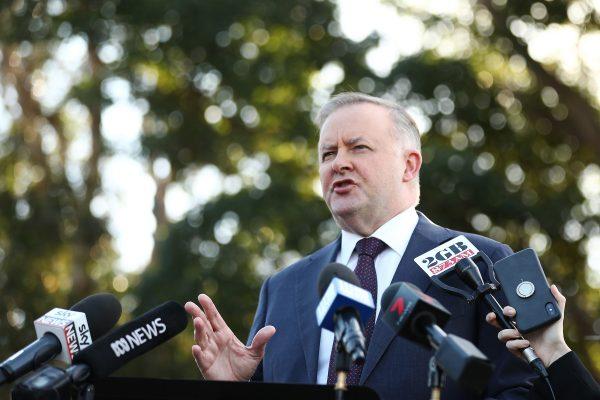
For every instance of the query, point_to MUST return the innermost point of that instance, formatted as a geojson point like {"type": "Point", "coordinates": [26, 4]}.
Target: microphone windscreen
{"type": "Point", "coordinates": [388, 295]}
{"type": "Point", "coordinates": [406, 309]}
{"type": "Point", "coordinates": [133, 339]}
{"type": "Point", "coordinates": [102, 311]}
{"type": "Point", "coordinates": [335, 270]}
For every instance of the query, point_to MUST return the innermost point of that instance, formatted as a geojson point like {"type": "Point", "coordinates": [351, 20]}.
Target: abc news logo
{"type": "Point", "coordinates": [138, 337]}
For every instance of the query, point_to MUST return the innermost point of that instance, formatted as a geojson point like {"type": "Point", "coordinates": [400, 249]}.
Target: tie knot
{"type": "Point", "coordinates": [370, 246]}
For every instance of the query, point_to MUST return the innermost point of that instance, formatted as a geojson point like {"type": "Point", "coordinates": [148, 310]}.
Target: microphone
{"type": "Point", "coordinates": [468, 272]}
{"type": "Point", "coordinates": [344, 304]}
{"type": "Point", "coordinates": [63, 333]}
{"type": "Point", "coordinates": [420, 318]}
{"type": "Point", "coordinates": [451, 265]}
{"type": "Point", "coordinates": [133, 339]}
{"type": "Point", "coordinates": [108, 354]}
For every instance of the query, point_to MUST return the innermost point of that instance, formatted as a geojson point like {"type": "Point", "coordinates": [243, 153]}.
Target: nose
{"type": "Point", "coordinates": [341, 163]}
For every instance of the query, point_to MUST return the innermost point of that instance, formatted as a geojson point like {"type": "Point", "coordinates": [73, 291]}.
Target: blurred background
{"type": "Point", "coordinates": [159, 149]}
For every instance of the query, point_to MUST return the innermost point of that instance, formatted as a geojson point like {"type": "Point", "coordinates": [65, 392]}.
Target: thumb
{"type": "Point", "coordinates": [562, 301]}
{"type": "Point", "coordinates": [262, 337]}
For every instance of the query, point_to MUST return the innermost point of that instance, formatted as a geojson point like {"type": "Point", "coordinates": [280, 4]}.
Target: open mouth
{"type": "Point", "coordinates": [343, 185]}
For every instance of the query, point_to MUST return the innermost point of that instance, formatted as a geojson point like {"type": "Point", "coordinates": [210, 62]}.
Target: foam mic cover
{"type": "Point", "coordinates": [335, 270]}
{"type": "Point", "coordinates": [340, 288]}
{"type": "Point", "coordinates": [102, 310]}
{"type": "Point", "coordinates": [75, 328]}
{"type": "Point", "coordinates": [62, 333]}
{"type": "Point", "coordinates": [418, 317]}
{"type": "Point", "coordinates": [407, 310]}
{"type": "Point", "coordinates": [133, 339]}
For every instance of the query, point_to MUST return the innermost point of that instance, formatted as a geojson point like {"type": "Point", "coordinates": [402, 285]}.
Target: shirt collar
{"type": "Point", "coordinates": [395, 233]}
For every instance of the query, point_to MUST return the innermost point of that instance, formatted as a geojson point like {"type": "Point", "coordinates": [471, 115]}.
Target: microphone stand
{"type": "Point", "coordinates": [346, 356]}
{"type": "Point", "coordinates": [342, 367]}
{"type": "Point", "coordinates": [86, 392]}
{"type": "Point", "coordinates": [56, 383]}
{"type": "Point", "coordinates": [435, 379]}
{"type": "Point", "coordinates": [78, 375]}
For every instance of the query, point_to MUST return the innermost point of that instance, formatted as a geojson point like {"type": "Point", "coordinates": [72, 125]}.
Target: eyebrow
{"type": "Point", "coordinates": [349, 142]}
{"type": "Point", "coordinates": [355, 140]}
{"type": "Point", "coordinates": [327, 147]}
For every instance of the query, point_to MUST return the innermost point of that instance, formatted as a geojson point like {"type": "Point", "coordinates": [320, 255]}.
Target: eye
{"type": "Point", "coordinates": [327, 155]}
{"type": "Point", "coordinates": [360, 147]}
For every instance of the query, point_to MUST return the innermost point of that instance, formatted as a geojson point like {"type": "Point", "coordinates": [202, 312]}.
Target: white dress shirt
{"type": "Point", "coordinates": [396, 234]}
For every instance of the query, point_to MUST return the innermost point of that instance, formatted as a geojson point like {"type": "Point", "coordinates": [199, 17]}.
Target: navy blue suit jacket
{"type": "Point", "coordinates": [395, 368]}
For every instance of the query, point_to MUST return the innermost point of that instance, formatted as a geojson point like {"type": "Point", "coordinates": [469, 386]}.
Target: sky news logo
{"type": "Point", "coordinates": [71, 329]}
{"type": "Point", "coordinates": [78, 338]}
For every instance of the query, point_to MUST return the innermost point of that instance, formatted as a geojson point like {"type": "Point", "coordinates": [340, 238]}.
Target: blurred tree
{"type": "Point", "coordinates": [514, 136]}
{"type": "Point", "coordinates": [53, 251]}
{"type": "Point", "coordinates": [227, 90]}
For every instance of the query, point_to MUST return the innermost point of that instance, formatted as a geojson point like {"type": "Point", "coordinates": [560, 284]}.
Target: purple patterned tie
{"type": "Point", "coordinates": [368, 249]}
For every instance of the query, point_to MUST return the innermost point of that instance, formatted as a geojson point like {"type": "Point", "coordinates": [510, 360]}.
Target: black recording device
{"type": "Point", "coordinates": [524, 284]}
{"type": "Point", "coordinates": [474, 288]}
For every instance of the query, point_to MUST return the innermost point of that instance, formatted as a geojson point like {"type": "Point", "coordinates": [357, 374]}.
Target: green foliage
{"type": "Point", "coordinates": [230, 85]}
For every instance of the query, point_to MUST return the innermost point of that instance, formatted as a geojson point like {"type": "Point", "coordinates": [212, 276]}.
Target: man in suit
{"type": "Point", "coordinates": [369, 163]}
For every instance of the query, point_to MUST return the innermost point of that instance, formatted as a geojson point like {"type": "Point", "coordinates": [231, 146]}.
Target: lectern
{"type": "Point", "coordinates": [119, 388]}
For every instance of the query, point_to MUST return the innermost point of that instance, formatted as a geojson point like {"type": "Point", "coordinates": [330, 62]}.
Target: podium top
{"type": "Point", "coordinates": [119, 388]}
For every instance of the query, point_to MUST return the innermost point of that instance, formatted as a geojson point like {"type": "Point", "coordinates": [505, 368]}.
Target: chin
{"type": "Point", "coordinates": [344, 211]}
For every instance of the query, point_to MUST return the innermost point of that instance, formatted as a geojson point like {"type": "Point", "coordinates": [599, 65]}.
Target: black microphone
{"type": "Point", "coordinates": [61, 333]}
{"type": "Point", "coordinates": [108, 354]}
{"type": "Point", "coordinates": [467, 271]}
{"type": "Point", "coordinates": [420, 318]}
{"type": "Point", "coordinates": [344, 304]}
{"type": "Point", "coordinates": [133, 339]}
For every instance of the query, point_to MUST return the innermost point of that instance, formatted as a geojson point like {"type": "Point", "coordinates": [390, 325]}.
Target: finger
{"type": "Point", "coordinates": [562, 301]}
{"type": "Point", "coordinates": [508, 334]}
{"type": "Point", "coordinates": [192, 309]}
{"type": "Point", "coordinates": [509, 311]}
{"type": "Point", "coordinates": [200, 336]}
{"type": "Point", "coordinates": [212, 313]}
{"type": "Point", "coordinates": [262, 337]}
{"type": "Point", "coordinates": [491, 319]}
{"type": "Point", "coordinates": [203, 332]}
{"type": "Point", "coordinates": [517, 345]}
{"type": "Point", "coordinates": [203, 359]}
{"type": "Point", "coordinates": [516, 353]}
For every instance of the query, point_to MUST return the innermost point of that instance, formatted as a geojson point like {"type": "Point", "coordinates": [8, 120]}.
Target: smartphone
{"type": "Point", "coordinates": [524, 284]}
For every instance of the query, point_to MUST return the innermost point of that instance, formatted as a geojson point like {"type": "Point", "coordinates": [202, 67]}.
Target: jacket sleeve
{"type": "Point", "coordinates": [512, 377]}
{"type": "Point", "coordinates": [259, 322]}
{"type": "Point", "coordinates": [569, 379]}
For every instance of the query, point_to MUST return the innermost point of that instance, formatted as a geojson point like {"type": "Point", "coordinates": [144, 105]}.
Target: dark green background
{"type": "Point", "coordinates": [60, 252]}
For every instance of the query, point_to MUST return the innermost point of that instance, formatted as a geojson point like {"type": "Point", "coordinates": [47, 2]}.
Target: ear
{"type": "Point", "coordinates": [413, 162]}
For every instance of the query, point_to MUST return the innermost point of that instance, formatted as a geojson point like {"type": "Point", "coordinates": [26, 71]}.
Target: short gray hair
{"type": "Point", "coordinates": [403, 122]}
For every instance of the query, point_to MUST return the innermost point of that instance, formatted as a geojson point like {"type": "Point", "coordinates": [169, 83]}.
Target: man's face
{"type": "Point", "coordinates": [362, 166]}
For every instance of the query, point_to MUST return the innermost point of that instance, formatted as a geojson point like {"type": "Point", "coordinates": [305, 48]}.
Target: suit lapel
{"type": "Point", "coordinates": [426, 236]}
{"type": "Point", "coordinates": [307, 299]}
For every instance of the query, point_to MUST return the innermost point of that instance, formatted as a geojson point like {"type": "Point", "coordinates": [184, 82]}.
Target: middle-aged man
{"type": "Point", "coordinates": [369, 152]}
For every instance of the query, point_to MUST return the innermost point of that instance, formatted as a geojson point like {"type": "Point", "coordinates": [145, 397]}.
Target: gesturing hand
{"type": "Point", "coordinates": [218, 352]}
